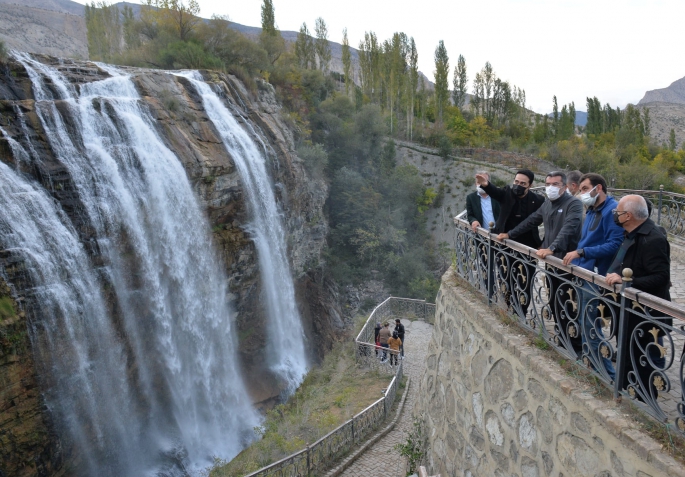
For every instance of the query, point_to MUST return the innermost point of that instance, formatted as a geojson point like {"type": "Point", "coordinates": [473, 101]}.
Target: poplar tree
{"type": "Point", "coordinates": [323, 48]}
{"type": "Point", "coordinates": [104, 30]}
{"type": "Point", "coordinates": [412, 84]}
{"type": "Point", "coordinates": [672, 145]}
{"type": "Point", "coordinates": [346, 61]}
{"type": "Point", "coordinates": [460, 83]}
{"type": "Point", "coordinates": [270, 38]}
{"type": "Point", "coordinates": [488, 76]}
{"type": "Point", "coordinates": [304, 48]}
{"type": "Point", "coordinates": [442, 67]}
{"type": "Point", "coordinates": [555, 112]}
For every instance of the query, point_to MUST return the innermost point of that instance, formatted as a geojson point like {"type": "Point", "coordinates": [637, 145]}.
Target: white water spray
{"type": "Point", "coordinates": [178, 397]}
{"type": "Point", "coordinates": [287, 353]}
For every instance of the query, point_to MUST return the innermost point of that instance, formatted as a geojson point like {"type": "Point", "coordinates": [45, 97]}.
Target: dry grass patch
{"type": "Point", "coordinates": [330, 395]}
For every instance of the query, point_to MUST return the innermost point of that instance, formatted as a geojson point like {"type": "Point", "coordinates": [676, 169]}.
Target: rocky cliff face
{"type": "Point", "coordinates": [187, 130]}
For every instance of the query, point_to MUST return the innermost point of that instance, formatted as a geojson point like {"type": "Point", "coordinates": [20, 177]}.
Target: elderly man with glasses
{"type": "Point", "coordinates": [646, 251]}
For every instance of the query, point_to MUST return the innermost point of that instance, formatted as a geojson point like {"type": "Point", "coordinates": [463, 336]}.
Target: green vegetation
{"type": "Point", "coordinates": [6, 308]}
{"type": "Point", "coordinates": [329, 396]}
{"type": "Point", "coordinates": [414, 448]}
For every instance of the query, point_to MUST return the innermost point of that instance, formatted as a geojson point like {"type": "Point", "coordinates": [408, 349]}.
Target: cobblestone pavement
{"type": "Point", "coordinates": [382, 459]}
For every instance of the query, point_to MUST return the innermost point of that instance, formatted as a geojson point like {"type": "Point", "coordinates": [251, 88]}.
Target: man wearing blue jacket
{"type": "Point", "coordinates": [600, 239]}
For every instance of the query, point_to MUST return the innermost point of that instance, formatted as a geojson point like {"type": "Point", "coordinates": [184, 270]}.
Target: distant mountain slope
{"type": "Point", "coordinates": [663, 118]}
{"type": "Point", "coordinates": [675, 93]}
{"type": "Point", "coordinates": [581, 118]}
{"type": "Point", "coordinates": [51, 27]}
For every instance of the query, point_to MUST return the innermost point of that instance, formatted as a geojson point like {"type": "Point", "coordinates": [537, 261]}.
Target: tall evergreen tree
{"type": "Point", "coordinates": [346, 61]}
{"type": "Point", "coordinates": [323, 48]}
{"type": "Point", "coordinates": [460, 83]}
{"type": "Point", "coordinates": [442, 68]}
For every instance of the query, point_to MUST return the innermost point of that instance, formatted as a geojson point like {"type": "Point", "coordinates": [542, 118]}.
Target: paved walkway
{"type": "Point", "coordinates": [382, 459]}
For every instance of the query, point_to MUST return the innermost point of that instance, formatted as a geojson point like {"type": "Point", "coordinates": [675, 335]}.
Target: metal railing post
{"type": "Point", "coordinates": [309, 462]}
{"type": "Point", "coordinates": [661, 195]}
{"type": "Point", "coordinates": [489, 268]}
{"type": "Point", "coordinates": [622, 357]}
{"type": "Point", "coordinates": [352, 424]}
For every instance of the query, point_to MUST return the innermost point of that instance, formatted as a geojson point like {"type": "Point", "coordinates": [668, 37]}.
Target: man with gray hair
{"type": "Point", "coordinates": [645, 250]}
{"type": "Point", "coordinates": [573, 181]}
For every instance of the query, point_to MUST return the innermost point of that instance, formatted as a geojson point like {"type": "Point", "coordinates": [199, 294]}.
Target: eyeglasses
{"type": "Point", "coordinates": [617, 213]}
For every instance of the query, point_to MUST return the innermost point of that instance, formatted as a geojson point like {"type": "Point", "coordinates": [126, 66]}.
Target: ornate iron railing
{"type": "Point", "coordinates": [319, 456]}
{"type": "Point", "coordinates": [630, 340]}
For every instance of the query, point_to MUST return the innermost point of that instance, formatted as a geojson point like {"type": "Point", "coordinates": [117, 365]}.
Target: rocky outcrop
{"type": "Point", "coordinates": [674, 93]}
{"type": "Point", "coordinates": [187, 130]}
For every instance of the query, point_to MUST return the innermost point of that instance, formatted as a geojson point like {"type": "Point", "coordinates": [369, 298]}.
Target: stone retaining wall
{"type": "Point", "coordinates": [496, 406]}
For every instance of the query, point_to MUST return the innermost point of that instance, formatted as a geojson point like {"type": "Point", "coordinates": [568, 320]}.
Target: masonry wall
{"type": "Point", "coordinates": [493, 405]}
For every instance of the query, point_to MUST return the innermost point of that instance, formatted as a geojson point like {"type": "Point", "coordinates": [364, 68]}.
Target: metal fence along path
{"type": "Point", "coordinates": [322, 454]}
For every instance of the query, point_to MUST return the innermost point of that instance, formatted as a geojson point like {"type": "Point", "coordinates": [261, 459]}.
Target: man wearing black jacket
{"type": "Point", "coordinates": [646, 251]}
{"type": "Point", "coordinates": [517, 202]}
{"type": "Point", "coordinates": [562, 215]}
{"type": "Point", "coordinates": [481, 208]}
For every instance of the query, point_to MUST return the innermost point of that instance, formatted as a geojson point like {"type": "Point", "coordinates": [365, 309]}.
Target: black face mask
{"type": "Point", "coordinates": [518, 190]}
{"type": "Point", "coordinates": [617, 218]}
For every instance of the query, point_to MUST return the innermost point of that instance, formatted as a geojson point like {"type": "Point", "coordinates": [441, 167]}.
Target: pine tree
{"type": "Point", "coordinates": [347, 62]}
{"type": "Point", "coordinates": [442, 68]}
{"type": "Point", "coordinates": [323, 48]}
{"type": "Point", "coordinates": [460, 83]}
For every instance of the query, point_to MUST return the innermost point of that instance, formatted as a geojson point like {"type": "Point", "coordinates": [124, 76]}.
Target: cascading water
{"type": "Point", "coordinates": [287, 354]}
{"type": "Point", "coordinates": [145, 382]}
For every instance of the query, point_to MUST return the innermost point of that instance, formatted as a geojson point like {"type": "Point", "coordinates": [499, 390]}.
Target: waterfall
{"type": "Point", "coordinates": [286, 349]}
{"type": "Point", "coordinates": [146, 382]}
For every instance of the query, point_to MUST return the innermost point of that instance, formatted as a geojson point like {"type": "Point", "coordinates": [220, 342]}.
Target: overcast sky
{"type": "Point", "coordinates": [613, 49]}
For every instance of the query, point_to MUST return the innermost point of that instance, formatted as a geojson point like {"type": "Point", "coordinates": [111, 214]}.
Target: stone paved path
{"type": "Point", "coordinates": [382, 459]}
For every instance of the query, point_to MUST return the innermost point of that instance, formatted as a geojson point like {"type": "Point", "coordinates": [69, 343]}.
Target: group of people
{"type": "Point", "coordinates": [392, 341]}
{"type": "Point", "coordinates": [612, 235]}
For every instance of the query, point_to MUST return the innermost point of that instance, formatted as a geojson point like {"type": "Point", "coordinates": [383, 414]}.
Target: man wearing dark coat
{"type": "Point", "coordinates": [645, 250]}
{"type": "Point", "coordinates": [481, 209]}
{"type": "Point", "coordinates": [517, 202]}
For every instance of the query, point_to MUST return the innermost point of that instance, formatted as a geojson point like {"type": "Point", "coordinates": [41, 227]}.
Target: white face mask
{"type": "Point", "coordinates": [552, 192]}
{"type": "Point", "coordinates": [587, 199]}
{"type": "Point", "coordinates": [480, 190]}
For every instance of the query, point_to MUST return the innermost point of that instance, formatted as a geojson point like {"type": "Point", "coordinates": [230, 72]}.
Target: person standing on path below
{"type": "Point", "coordinates": [383, 337]}
{"type": "Point", "coordinates": [394, 344]}
{"type": "Point", "coordinates": [399, 329]}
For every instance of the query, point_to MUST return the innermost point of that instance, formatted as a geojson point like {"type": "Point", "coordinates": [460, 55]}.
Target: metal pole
{"type": "Point", "coordinates": [661, 195]}
{"type": "Point", "coordinates": [623, 347]}
{"type": "Point", "coordinates": [309, 462]}
{"type": "Point", "coordinates": [490, 256]}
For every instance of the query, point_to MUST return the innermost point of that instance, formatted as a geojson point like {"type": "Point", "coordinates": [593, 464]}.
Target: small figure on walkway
{"type": "Point", "coordinates": [383, 336]}
{"type": "Point", "coordinates": [399, 328]}
{"type": "Point", "coordinates": [376, 331]}
{"type": "Point", "coordinates": [394, 344]}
